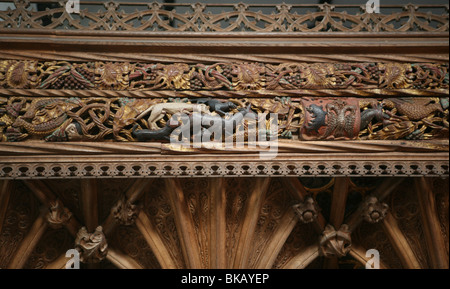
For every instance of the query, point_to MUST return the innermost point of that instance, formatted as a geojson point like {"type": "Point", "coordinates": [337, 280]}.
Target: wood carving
{"type": "Point", "coordinates": [307, 211]}
{"type": "Point", "coordinates": [93, 247]}
{"type": "Point", "coordinates": [334, 243]}
{"type": "Point", "coordinates": [238, 17]}
{"type": "Point", "coordinates": [122, 76]}
{"type": "Point", "coordinates": [124, 212]}
{"type": "Point", "coordinates": [119, 119]}
{"type": "Point", "coordinates": [58, 215]}
{"type": "Point", "coordinates": [374, 211]}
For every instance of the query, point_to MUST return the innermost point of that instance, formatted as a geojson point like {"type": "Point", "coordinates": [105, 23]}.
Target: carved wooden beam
{"type": "Point", "coordinates": [218, 232]}
{"type": "Point", "coordinates": [253, 208]}
{"type": "Point", "coordinates": [59, 263]}
{"type": "Point", "coordinates": [381, 192]}
{"type": "Point", "coordinates": [89, 201]}
{"type": "Point", "coordinates": [29, 242]}
{"type": "Point", "coordinates": [304, 258]}
{"type": "Point", "coordinates": [433, 236]}
{"type": "Point", "coordinates": [277, 240]}
{"type": "Point", "coordinates": [359, 253]}
{"type": "Point", "coordinates": [184, 224]}
{"type": "Point", "coordinates": [339, 199]}
{"type": "Point", "coordinates": [48, 199]}
{"type": "Point", "coordinates": [155, 242]}
{"type": "Point", "coordinates": [132, 195]}
{"type": "Point", "coordinates": [121, 260]}
{"type": "Point", "coordinates": [400, 243]}
{"type": "Point", "coordinates": [6, 187]}
{"type": "Point", "coordinates": [298, 191]}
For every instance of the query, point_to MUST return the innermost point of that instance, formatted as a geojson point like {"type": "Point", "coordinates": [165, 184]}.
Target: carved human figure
{"type": "Point", "coordinates": [93, 247]}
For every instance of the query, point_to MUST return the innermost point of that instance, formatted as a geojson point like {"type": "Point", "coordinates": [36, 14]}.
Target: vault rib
{"type": "Point", "coordinates": [89, 201]}
{"type": "Point", "coordinates": [46, 197]}
{"type": "Point", "coordinates": [299, 192]}
{"type": "Point", "coordinates": [6, 187]}
{"type": "Point", "coordinates": [151, 235]}
{"type": "Point", "coordinates": [133, 194]}
{"type": "Point", "coordinates": [269, 254]}
{"type": "Point", "coordinates": [184, 224]}
{"type": "Point", "coordinates": [381, 192]}
{"type": "Point", "coordinates": [400, 243]}
{"type": "Point", "coordinates": [29, 242]}
{"type": "Point", "coordinates": [359, 253]}
{"type": "Point", "coordinates": [337, 214]}
{"type": "Point", "coordinates": [253, 209]}
{"type": "Point", "coordinates": [218, 233]}
{"type": "Point", "coordinates": [339, 199]}
{"type": "Point", "coordinates": [304, 258]}
{"type": "Point", "coordinates": [121, 260]}
{"type": "Point", "coordinates": [431, 227]}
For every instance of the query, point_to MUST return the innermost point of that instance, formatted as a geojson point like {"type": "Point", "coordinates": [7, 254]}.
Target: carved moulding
{"type": "Point", "coordinates": [104, 166]}
{"type": "Point", "coordinates": [233, 76]}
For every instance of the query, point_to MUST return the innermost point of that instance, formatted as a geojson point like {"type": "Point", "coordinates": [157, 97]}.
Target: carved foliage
{"type": "Point", "coordinates": [231, 76]}
{"type": "Point", "coordinates": [124, 212]}
{"type": "Point", "coordinates": [307, 211]}
{"type": "Point", "coordinates": [374, 211]}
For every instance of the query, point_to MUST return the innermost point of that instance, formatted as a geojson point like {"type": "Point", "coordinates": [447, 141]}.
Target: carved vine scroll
{"type": "Point", "coordinates": [303, 118]}
{"type": "Point", "coordinates": [121, 76]}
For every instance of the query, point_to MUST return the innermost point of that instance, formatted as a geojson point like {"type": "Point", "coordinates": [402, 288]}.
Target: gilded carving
{"type": "Point", "coordinates": [93, 247]}
{"type": "Point", "coordinates": [305, 119]}
{"type": "Point", "coordinates": [233, 76]}
{"type": "Point", "coordinates": [18, 74]}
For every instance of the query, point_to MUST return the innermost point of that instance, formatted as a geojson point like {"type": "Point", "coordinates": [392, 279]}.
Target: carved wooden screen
{"type": "Point", "coordinates": [359, 99]}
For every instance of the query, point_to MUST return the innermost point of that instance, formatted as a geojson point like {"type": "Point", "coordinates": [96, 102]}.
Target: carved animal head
{"type": "Point", "coordinates": [231, 105]}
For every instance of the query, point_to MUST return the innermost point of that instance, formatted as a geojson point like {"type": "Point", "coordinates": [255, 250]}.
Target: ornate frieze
{"type": "Point", "coordinates": [121, 76]}
{"type": "Point", "coordinates": [302, 118]}
{"type": "Point", "coordinates": [237, 17]}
